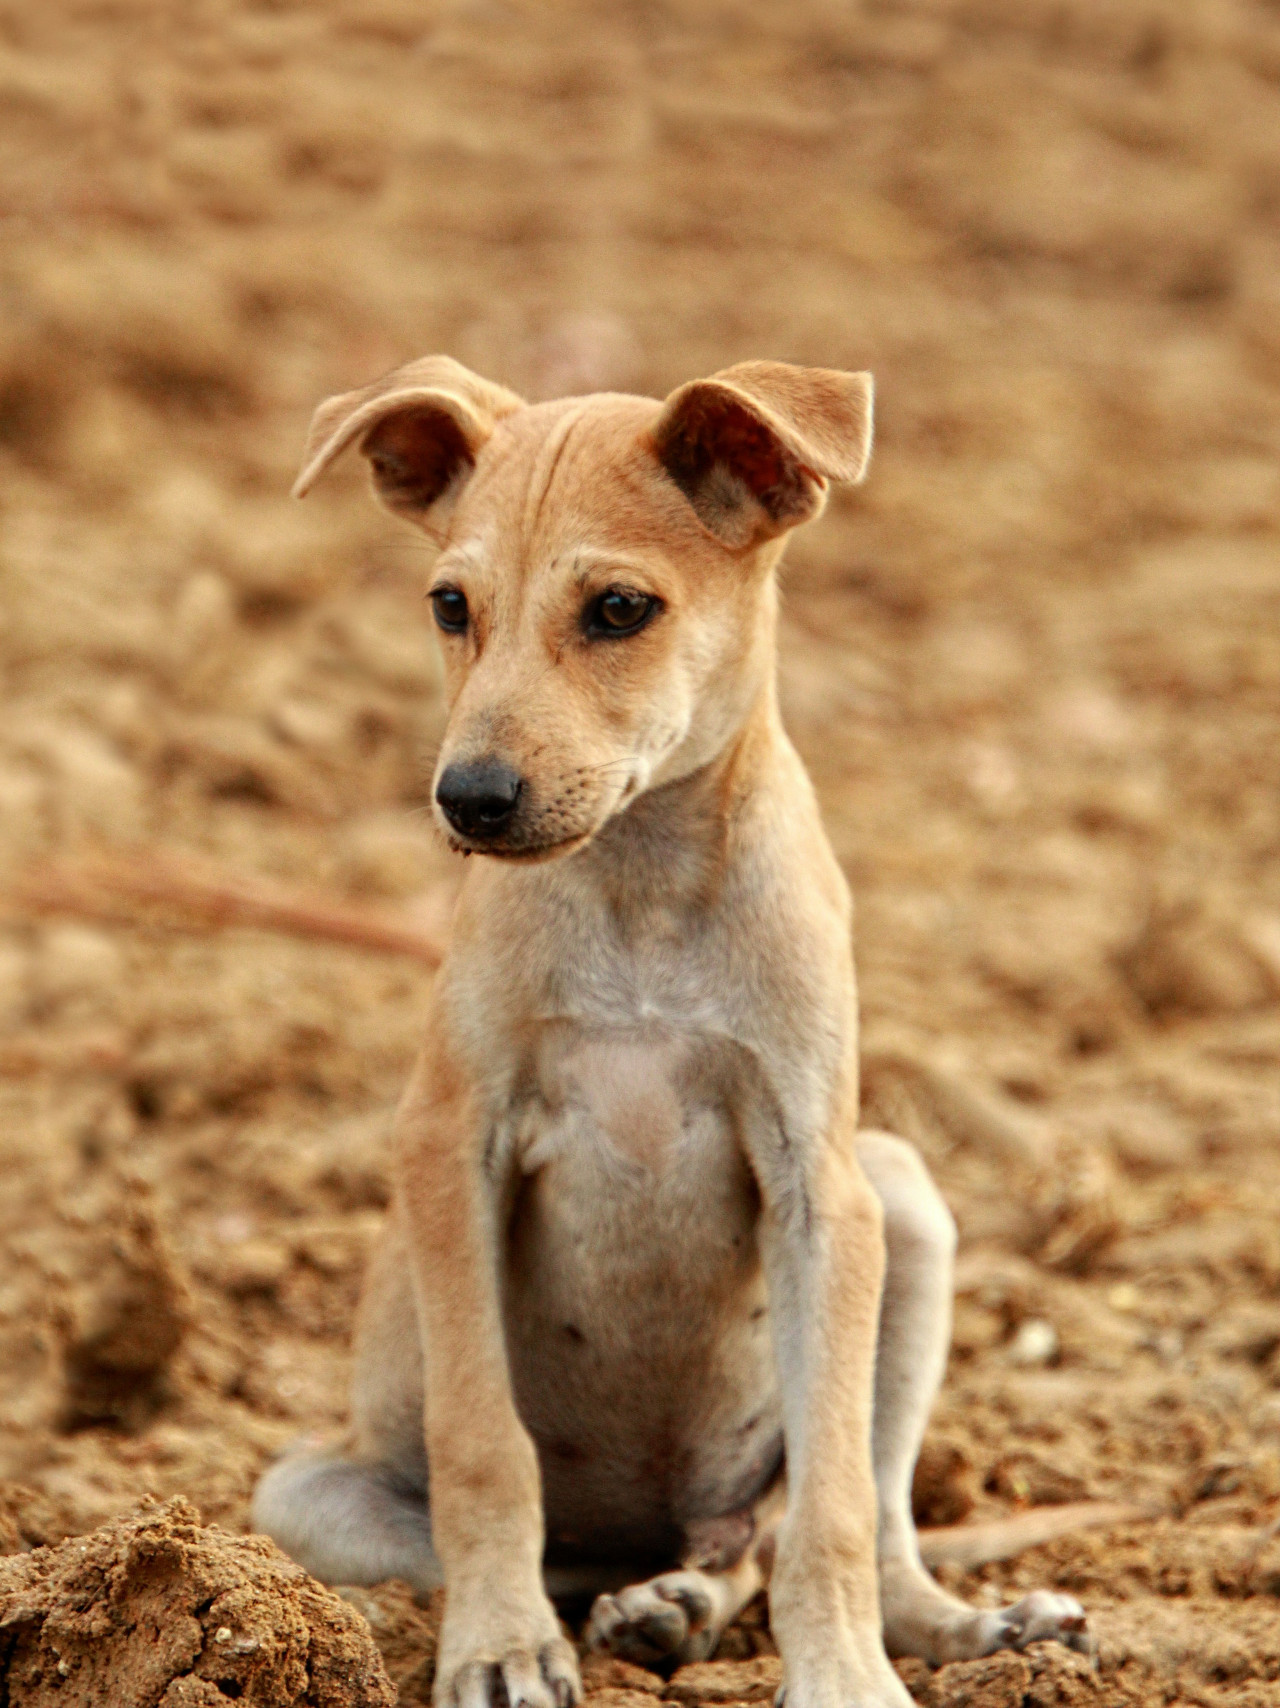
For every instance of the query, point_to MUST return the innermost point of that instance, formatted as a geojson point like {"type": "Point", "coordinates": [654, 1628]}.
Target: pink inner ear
{"type": "Point", "coordinates": [415, 453]}
{"type": "Point", "coordinates": [716, 432]}
{"type": "Point", "coordinates": [752, 452]}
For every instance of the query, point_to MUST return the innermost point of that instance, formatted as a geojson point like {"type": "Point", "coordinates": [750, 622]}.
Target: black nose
{"type": "Point", "coordinates": [478, 797]}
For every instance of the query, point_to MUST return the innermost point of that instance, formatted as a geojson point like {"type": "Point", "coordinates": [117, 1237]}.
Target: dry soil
{"type": "Point", "coordinates": [1034, 666]}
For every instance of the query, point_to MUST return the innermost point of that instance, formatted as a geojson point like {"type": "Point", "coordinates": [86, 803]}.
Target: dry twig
{"type": "Point", "coordinates": [972, 1545]}
{"type": "Point", "coordinates": [124, 889]}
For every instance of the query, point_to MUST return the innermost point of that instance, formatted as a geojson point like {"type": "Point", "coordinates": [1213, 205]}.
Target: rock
{"type": "Point", "coordinates": [945, 1485]}
{"type": "Point", "coordinates": [917, 1677]}
{"type": "Point", "coordinates": [726, 1681]}
{"type": "Point", "coordinates": [98, 792]}
{"type": "Point", "coordinates": [1045, 1676]}
{"type": "Point", "coordinates": [27, 1519]}
{"type": "Point", "coordinates": [202, 629]}
{"type": "Point", "coordinates": [997, 1681]}
{"type": "Point", "coordinates": [76, 964]}
{"type": "Point", "coordinates": [749, 1635]}
{"type": "Point", "coordinates": [1035, 1342]}
{"type": "Point", "coordinates": [387, 854]}
{"type": "Point", "coordinates": [406, 1634]}
{"type": "Point", "coordinates": [609, 1673]}
{"type": "Point", "coordinates": [1144, 1136]}
{"type": "Point", "coordinates": [253, 1265]}
{"type": "Point", "coordinates": [1203, 955]}
{"type": "Point", "coordinates": [159, 1611]}
{"type": "Point", "coordinates": [1032, 1479]}
{"type": "Point", "coordinates": [611, 1696]}
{"type": "Point", "coordinates": [124, 1315]}
{"type": "Point", "coordinates": [15, 980]}
{"type": "Point", "coordinates": [1074, 1209]}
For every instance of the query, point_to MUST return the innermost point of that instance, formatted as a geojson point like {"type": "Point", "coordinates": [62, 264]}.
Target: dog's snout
{"type": "Point", "coordinates": [478, 797]}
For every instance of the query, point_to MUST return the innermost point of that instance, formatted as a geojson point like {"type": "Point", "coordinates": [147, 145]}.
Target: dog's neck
{"type": "Point", "coordinates": [666, 857]}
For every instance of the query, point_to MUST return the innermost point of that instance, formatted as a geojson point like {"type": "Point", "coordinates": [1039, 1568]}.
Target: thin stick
{"type": "Point", "coordinates": [31, 1054]}
{"type": "Point", "coordinates": [119, 888]}
{"type": "Point", "coordinates": [970, 1545]}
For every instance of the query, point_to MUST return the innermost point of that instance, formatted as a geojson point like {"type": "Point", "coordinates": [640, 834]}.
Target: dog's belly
{"type": "Point", "coordinates": [636, 1312]}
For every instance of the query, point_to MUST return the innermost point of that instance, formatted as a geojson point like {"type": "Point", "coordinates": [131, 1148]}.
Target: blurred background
{"type": "Point", "coordinates": [1033, 665]}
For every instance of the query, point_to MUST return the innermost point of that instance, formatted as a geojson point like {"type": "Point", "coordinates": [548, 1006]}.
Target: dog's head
{"type": "Point", "coordinates": [604, 586]}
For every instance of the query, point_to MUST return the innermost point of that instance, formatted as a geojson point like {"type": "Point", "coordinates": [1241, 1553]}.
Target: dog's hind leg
{"type": "Point", "coordinates": [919, 1617]}
{"type": "Point", "coordinates": [357, 1513]}
{"type": "Point", "coordinates": [348, 1522]}
{"type": "Point", "coordinates": [681, 1615]}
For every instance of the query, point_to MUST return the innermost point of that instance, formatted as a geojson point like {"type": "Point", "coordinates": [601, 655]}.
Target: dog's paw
{"type": "Point", "coordinates": [1039, 1617]}
{"type": "Point", "coordinates": [669, 1617]}
{"type": "Point", "coordinates": [543, 1677]}
{"type": "Point", "coordinates": [842, 1680]}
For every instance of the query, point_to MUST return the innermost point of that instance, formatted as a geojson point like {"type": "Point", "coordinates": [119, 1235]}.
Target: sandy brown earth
{"type": "Point", "coordinates": [159, 1608]}
{"type": "Point", "coordinates": [1034, 666]}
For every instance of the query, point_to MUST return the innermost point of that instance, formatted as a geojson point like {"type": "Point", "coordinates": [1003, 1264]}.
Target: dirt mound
{"type": "Point", "coordinates": [160, 1611]}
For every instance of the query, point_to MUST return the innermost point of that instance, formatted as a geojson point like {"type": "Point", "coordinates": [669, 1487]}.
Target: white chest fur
{"type": "Point", "coordinates": [640, 1096]}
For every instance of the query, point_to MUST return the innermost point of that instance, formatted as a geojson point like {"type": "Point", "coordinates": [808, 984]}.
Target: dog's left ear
{"type": "Point", "coordinates": [753, 447]}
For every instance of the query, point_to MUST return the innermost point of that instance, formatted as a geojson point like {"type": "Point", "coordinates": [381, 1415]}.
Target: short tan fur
{"type": "Point", "coordinates": [652, 1319]}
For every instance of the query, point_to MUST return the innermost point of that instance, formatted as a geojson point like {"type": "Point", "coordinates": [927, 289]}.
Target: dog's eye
{"type": "Point", "coordinates": [620, 611]}
{"type": "Point", "coordinates": [450, 607]}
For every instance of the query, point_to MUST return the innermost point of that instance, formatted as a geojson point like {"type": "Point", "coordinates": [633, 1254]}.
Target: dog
{"type": "Point", "coordinates": [652, 1320]}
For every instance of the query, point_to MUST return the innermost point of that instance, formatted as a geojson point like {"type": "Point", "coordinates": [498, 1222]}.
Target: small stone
{"type": "Point", "coordinates": [608, 1672]}
{"type": "Point", "coordinates": [255, 1265]}
{"type": "Point", "coordinates": [1033, 1479]}
{"type": "Point", "coordinates": [726, 1681]}
{"type": "Point", "coordinates": [944, 1488]}
{"type": "Point", "coordinates": [76, 961]}
{"type": "Point", "coordinates": [998, 1681]}
{"type": "Point", "coordinates": [1035, 1343]}
{"type": "Point", "coordinates": [611, 1697]}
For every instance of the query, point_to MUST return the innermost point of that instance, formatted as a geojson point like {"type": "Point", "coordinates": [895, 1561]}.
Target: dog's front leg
{"type": "Point", "coordinates": [823, 1247]}
{"type": "Point", "coordinates": [500, 1635]}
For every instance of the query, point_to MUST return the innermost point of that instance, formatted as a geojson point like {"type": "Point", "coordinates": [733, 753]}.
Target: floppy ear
{"type": "Point", "coordinates": [753, 448]}
{"type": "Point", "coordinates": [421, 428]}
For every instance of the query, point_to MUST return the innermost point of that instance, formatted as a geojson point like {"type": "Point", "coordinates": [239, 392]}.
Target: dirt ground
{"type": "Point", "coordinates": [1034, 666]}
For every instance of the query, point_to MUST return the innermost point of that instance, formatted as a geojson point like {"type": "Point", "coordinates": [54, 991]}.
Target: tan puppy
{"type": "Point", "coordinates": [638, 1246]}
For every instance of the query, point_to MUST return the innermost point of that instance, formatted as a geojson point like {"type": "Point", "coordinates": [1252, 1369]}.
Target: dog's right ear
{"type": "Point", "coordinates": [755, 447]}
{"type": "Point", "coordinates": [421, 427]}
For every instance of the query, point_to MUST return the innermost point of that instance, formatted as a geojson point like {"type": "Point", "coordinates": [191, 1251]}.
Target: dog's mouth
{"type": "Point", "coordinates": [521, 853]}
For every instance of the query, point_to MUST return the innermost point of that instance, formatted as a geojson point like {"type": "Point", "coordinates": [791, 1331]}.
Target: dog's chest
{"type": "Point", "coordinates": [617, 1099]}
{"type": "Point", "coordinates": [627, 1129]}
{"type": "Point", "coordinates": [635, 1295]}
{"type": "Point", "coordinates": [633, 1172]}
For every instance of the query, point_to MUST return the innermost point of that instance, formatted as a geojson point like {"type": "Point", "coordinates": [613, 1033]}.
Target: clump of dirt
{"type": "Point", "coordinates": [160, 1611]}
{"type": "Point", "coordinates": [406, 1634]}
{"type": "Point", "coordinates": [717, 1682]}
{"type": "Point", "coordinates": [27, 1519]}
{"type": "Point", "coordinates": [123, 1310]}
{"type": "Point", "coordinates": [1044, 1677]}
{"type": "Point", "coordinates": [945, 1486]}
